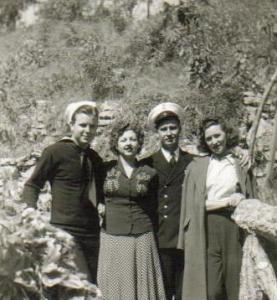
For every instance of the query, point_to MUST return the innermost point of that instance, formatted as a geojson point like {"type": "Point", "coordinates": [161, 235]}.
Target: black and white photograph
{"type": "Point", "coordinates": [138, 150]}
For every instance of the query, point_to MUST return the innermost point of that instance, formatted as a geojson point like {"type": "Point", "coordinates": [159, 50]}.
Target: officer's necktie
{"type": "Point", "coordinates": [172, 161]}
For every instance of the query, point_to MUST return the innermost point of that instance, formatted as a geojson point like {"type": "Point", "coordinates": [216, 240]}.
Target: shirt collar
{"type": "Point", "coordinates": [168, 154]}
{"type": "Point", "coordinates": [69, 139]}
{"type": "Point", "coordinates": [229, 157]}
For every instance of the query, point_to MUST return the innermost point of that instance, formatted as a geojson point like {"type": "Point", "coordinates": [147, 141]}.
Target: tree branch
{"type": "Point", "coordinates": [259, 113]}
{"type": "Point", "coordinates": [271, 162]}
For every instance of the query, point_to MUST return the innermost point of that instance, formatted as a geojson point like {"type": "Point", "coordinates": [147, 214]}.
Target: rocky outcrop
{"type": "Point", "coordinates": [258, 273]}
{"type": "Point", "coordinates": [15, 171]}
{"type": "Point", "coordinates": [13, 175]}
{"type": "Point", "coordinates": [265, 129]}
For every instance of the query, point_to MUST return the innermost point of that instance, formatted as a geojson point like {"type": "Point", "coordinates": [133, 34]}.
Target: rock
{"type": "Point", "coordinates": [252, 99]}
{"type": "Point", "coordinates": [107, 113]}
{"type": "Point", "coordinates": [9, 172]}
{"type": "Point", "coordinates": [28, 16]}
{"type": "Point", "coordinates": [264, 134]}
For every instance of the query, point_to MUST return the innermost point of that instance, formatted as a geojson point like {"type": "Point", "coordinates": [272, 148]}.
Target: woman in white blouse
{"type": "Point", "coordinates": [213, 187]}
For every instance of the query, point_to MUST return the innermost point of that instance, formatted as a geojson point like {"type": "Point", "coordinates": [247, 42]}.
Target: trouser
{"type": "Point", "coordinates": [172, 264]}
{"type": "Point", "coordinates": [86, 260]}
{"type": "Point", "coordinates": [224, 255]}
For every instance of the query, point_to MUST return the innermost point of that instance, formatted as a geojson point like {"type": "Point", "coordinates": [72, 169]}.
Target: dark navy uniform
{"type": "Point", "coordinates": [71, 210]}
{"type": "Point", "coordinates": [169, 201]}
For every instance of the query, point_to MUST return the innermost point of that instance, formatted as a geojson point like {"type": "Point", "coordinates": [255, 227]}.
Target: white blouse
{"type": "Point", "coordinates": [222, 178]}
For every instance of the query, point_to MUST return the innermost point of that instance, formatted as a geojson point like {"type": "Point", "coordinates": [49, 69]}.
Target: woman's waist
{"type": "Point", "coordinates": [217, 196]}
{"type": "Point", "coordinates": [127, 213]}
{"type": "Point", "coordinates": [128, 203]}
{"type": "Point", "coordinates": [104, 233]}
{"type": "Point", "coordinates": [221, 212]}
{"type": "Point", "coordinates": [122, 228]}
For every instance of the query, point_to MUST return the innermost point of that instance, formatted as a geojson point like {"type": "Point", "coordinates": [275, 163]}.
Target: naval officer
{"type": "Point", "coordinates": [170, 163]}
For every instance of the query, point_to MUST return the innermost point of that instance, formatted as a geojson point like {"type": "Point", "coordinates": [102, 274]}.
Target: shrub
{"type": "Point", "coordinates": [36, 256]}
{"type": "Point", "coordinates": [188, 54]}
{"type": "Point", "coordinates": [10, 10]}
{"type": "Point", "coordinates": [66, 10]}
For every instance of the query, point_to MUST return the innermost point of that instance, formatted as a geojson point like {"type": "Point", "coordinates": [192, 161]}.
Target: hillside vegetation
{"type": "Point", "coordinates": [201, 54]}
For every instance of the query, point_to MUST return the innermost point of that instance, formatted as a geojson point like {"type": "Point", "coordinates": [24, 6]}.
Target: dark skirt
{"type": "Point", "coordinates": [129, 268]}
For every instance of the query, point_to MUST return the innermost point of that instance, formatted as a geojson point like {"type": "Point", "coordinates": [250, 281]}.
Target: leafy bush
{"type": "Point", "coordinates": [191, 54]}
{"type": "Point", "coordinates": [36, 256]}
{"type": "Point", "coordinates": [66, 10]}
{"type": "Point", "coordinates": [10, 10]}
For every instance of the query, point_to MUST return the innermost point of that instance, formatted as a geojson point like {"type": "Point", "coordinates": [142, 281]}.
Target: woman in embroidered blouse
{"type": "Point", "coordinates": [128, 260]}
{"type": "Point", "coordinates": [213, 187]}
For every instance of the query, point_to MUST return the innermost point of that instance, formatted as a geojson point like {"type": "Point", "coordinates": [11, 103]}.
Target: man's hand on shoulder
{"type": "Point", "coordinates": [244, 157]}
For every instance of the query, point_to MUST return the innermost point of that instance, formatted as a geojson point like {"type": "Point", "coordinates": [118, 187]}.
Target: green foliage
{"type": "Point", "coordinates": [35, 256]}
{"type": "Point", "coordinates": [119, 14]}
{"type": "Point", "coordinates": [214, 43]}
{"type": "Point", "coordinates": [66, 10]}
{"type": "Point", "coordinates": [200, 56]}
{"type": "Point", "coordinates": [9, 11]}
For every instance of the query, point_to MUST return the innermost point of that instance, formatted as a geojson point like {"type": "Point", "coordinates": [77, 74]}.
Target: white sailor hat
{"type": "Point", "coordinates": [162, 111]}
{"type": "Point", "coordinates": [74, 106]}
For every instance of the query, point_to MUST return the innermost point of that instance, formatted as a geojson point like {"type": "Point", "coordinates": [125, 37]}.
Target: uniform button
{"type": "Point", "coordinates": [165, 216]}
{"type": "Point", "coordinates": [165, 206]}
{"type": "Point", "coordinates": [165, 196]}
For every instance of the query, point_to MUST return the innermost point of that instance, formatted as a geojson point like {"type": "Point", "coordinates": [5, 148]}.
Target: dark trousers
{"type": "Point", "coordinates": [86, 260]}
{"type": "Point", "coordinates": [223, 257]}
{"type": "Point", "coordinates": [172, 264]}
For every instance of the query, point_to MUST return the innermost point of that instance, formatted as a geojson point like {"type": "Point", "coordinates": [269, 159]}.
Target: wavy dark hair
{"type": "Point", "coordinates": [119, 127]}
{"type": "Point", "coordinates": [232, 137]}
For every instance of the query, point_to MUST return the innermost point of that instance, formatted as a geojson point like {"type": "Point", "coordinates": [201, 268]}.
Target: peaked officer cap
{"type": "Point", "coordinates": [162, 111]}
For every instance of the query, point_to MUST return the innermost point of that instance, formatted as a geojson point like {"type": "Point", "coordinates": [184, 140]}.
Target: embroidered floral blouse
{"type": "Point", "coordinates": [131, 203]}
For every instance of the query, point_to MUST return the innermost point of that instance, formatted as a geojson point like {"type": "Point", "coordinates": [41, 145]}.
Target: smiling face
{"type": "Point", "coordinates": [83, 129]}
{"type": "Point", "coordinates": [215, 139]}
{"type": "Point", "coordinates": [169, 131]}
{"type": "Point", "coordinates": [128, 144]}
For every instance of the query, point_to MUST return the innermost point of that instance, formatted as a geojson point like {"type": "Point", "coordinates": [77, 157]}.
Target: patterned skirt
{"type": "Point", "coordinates": [129, 268]}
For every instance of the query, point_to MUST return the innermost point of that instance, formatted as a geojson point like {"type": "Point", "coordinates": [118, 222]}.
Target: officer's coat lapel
{"type": "Point", "coordinates": [161, 165]}
{"type": "Point", "coordinates": [180, 166]}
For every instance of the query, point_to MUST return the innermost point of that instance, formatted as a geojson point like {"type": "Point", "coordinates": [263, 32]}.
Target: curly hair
{"type": "Point", "coordinates": [119, 127]}
{"type": "Point", "coordinates": [232, 137]}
